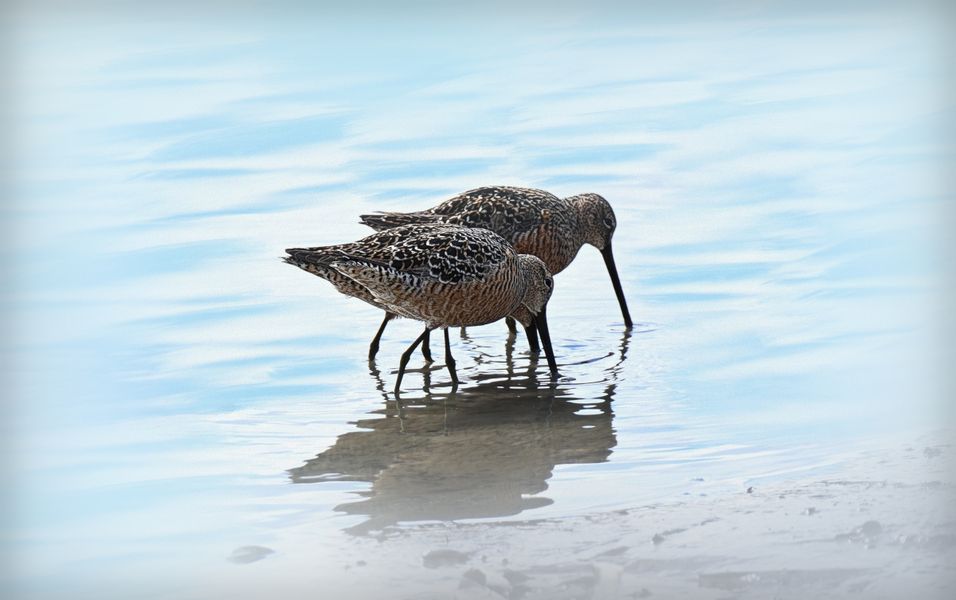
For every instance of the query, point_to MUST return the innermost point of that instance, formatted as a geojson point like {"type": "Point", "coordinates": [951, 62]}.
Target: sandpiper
{"type": "Point", "coordinates": [444, 275]}
{"type": "Point", "coordinates": [534, 221]}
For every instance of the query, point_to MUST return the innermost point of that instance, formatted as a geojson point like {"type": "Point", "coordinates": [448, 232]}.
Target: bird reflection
{"type": "Point", "coordinates": [485, 450]}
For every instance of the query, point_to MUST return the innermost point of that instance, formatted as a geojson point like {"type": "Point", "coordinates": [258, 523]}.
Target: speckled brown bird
{"type": "Point", "coordinates": [443, 275]}
{"type": "Point", "coordinates": [534, 221]}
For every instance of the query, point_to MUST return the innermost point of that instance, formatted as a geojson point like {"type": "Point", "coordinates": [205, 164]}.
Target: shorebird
{"type": "Point", "coordinates": [534, 221]}
{"type": "Point", "coordinates": [444, 275]}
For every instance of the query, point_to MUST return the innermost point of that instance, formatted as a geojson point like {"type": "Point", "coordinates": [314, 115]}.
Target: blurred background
{"type": "Point", "coordinates": [186, 416]}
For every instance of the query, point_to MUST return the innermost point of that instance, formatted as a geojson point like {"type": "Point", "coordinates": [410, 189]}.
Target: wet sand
{"type": "Point", "coordinates": [878, 525]}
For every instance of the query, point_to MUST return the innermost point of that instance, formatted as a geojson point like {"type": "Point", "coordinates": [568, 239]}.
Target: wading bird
{"type": "Point", "coordinates": [534, 221]}
{"type": "Point", "coordinates": [444, 275]}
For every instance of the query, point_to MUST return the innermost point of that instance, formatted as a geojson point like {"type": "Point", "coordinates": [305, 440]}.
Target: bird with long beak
{"type": "Point", "coordinates": [443, 275]}
{"type": "Point", "coordinates": [534, 221]}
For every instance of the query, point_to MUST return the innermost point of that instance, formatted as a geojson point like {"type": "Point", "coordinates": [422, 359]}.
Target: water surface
{"type": "Point", "coordinates": [194, 418]}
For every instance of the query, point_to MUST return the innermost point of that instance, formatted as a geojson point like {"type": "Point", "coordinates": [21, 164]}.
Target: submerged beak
{"type": "Point", "coordinates": [541, 322]}
{"type": "Point", "coordinates": [612, 271]}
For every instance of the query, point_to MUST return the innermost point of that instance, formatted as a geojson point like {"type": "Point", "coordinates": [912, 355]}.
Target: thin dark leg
{"type": "Point", "coordinates": [373, 347]}
{"type": "Point", "coordinates": [406, 356]}
{"type": "Point", "coordinates": [426, 350]}
{"type": "Point", "coordinates": [532, 333]}
{"type": "Point", "coordinates": [511, 325]}
{"type": "Point", "coordinates": [449, 360]}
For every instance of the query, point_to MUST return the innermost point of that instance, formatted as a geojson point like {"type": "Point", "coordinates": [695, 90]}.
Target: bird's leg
{"type": "Point", "coordinates": [511, 325]}
{"type": "Point", "coordinates": [373, 347]}
{"type": "Point", "coordinates": [532, 333]}
{"type": "Point", "coordinates": [407, 355]}
{"type": "Point", "coordinates": [450, 361]}
{"type": "Point", "coordinates": [426, 350]}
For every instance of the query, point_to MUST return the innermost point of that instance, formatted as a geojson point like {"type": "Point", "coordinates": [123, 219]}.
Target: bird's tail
{"type": "Point", "coordinates": [320, 260]}
{"type": "Point", "coordinates": [387, 220]}
{"type": "Point", "coordinates": [313, 260]}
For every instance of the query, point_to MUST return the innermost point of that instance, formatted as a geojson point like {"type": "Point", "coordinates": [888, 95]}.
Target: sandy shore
{"type": "Point", "coordinates": [881, 526]}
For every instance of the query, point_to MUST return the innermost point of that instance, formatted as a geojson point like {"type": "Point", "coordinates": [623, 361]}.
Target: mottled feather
{"type": "Point", "coordinates": [440, 274]}
{"type": "Point", "coordinates": [534, 221]}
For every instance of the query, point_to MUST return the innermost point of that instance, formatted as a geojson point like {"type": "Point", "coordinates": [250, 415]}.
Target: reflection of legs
{"type": "Point", "coordinates": [509, 354]}
{"type": "Point", "coordinates": [377, 375]}
{"type": "Point", "coordinates": [511, 325]}
{"type": "Point", "coordinates": [449, 361]}
{"type": "Point", "coordinates": [407, 355]}
{"type": "Point", "coordinates": [373, 347]}
{"type": "Point", "coordinates": [427, 381]}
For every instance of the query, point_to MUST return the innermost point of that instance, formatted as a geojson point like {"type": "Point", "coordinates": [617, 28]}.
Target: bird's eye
{"type": "Point", "coordinates": [549, 282]}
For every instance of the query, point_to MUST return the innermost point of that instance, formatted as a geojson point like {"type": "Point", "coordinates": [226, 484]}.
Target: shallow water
{"type": "Point", "coordinates": [187, 406]}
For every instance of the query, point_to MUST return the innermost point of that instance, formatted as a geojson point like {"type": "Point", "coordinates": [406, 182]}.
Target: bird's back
{"type": "Point", "coordinates": [533, 221]}
{"type": "Point", "coordinates": [441, 274]}
{"type": "Point", "coordinates": [392, 248]}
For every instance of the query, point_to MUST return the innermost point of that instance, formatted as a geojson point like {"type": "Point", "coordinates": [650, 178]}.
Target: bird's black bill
{"type": "Point", "coordinates": [541, 323]}
{"type": "Point", "coordinates": [612, 271]}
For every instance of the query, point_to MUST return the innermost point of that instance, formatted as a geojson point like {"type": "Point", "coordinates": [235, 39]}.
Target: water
{"type": "Point", "coordinates": [180, 394]}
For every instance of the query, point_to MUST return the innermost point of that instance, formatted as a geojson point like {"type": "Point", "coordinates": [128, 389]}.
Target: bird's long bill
{"type": "Point", "coordinates": [612, 271]}
{"type": "Point", "coordinates": [541, 322]}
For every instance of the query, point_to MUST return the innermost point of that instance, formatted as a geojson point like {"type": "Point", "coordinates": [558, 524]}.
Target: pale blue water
{"type": "Point", "coordinates": [778, 184]}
